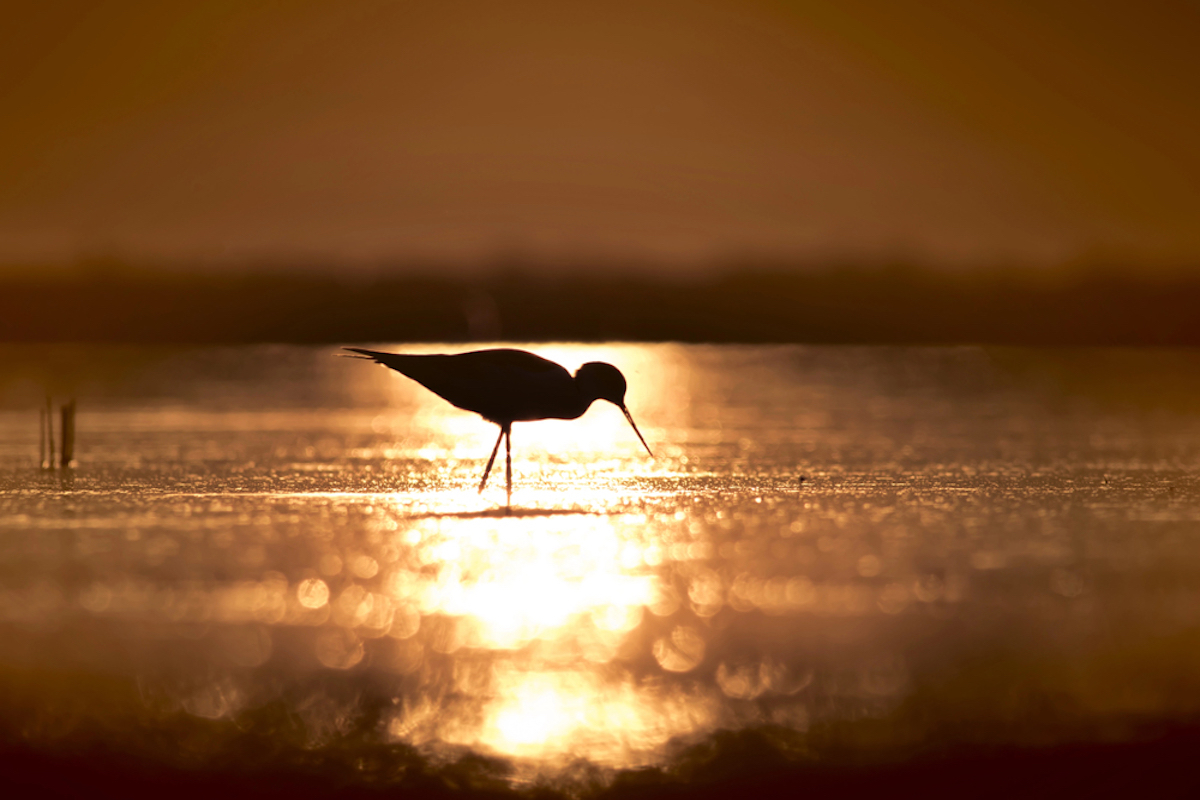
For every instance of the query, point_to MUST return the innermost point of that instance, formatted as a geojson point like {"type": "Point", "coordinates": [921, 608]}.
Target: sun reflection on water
{"type": "Point", "coordinates": [551, 714]}
{"type": "Point", "coordinates": [517, 580]}
{"type": "Point", "coordinates": [558, 593]}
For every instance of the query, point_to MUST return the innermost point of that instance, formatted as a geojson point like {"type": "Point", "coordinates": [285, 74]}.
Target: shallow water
{"type": "Point", "coordinates": [863, 550]}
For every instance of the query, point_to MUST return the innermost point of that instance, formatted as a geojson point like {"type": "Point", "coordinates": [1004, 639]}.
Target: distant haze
{"type": "Point", "coordinates": [941, 131]}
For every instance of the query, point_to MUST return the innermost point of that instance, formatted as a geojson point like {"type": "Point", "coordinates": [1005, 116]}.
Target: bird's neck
{"type": "Point", "coordinates": [586, 392]}
{"type": "Point", "coordinates": [582, 404]}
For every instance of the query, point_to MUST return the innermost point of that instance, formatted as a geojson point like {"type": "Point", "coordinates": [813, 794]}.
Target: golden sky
{"type": "Point", "coordinates": [936, 130]}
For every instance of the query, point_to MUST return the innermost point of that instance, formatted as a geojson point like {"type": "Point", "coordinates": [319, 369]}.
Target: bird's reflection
{"type": "Point", "coordinates": [500, 513]}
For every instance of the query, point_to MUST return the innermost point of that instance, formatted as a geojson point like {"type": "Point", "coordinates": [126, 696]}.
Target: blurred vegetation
{"type": "Point", "coordinates": [111, 302]}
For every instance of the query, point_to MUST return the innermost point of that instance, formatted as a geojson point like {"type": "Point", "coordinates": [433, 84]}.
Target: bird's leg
{"type": "Point", "coordinates": [487, 470]}
{"type": "Point", "coordinates": [508, 463]}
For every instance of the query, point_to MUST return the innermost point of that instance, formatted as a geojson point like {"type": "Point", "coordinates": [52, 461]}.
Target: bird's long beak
{"type": "Point", "coordinates": [629, 417]}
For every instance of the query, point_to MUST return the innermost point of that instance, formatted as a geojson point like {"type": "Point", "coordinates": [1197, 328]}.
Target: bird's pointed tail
{"type": "Point", "coordinates": [400, 362]}
{"type": "Point", "coordinates": [365, 355]}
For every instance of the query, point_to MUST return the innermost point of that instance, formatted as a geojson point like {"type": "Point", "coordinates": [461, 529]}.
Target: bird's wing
{"type": "Point", "coordinates": [508, 360]}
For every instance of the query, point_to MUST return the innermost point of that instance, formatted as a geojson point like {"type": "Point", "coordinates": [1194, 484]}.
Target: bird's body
{"type": "Point", "coordinates": [506, 386]}
{"type": "Point", "coordinates": [502, 386]}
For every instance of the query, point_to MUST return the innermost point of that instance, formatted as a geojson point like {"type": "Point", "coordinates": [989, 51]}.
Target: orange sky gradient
{"type": "Point", "coordinates": [941, 132]}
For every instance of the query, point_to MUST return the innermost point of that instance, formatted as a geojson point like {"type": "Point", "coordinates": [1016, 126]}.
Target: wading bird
{"type": "Point", "coordinates": [507, 386]}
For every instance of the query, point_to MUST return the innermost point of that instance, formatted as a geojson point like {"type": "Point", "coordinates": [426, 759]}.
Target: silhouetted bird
{"type": "Point", "coordinates": [507, 386]}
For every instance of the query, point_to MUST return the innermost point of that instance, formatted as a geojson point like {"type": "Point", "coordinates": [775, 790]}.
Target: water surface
{"type": "Point", "coordinates": [858, 550]}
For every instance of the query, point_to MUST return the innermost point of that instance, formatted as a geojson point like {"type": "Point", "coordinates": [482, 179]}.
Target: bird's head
{"type": "Point", "coordinates": [599, 381]}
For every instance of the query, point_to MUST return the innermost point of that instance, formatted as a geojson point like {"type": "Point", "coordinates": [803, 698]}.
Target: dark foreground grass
{"type": "Point", "coordinates": [1160, 762]}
